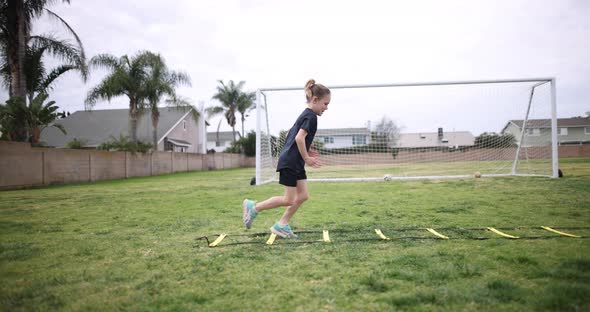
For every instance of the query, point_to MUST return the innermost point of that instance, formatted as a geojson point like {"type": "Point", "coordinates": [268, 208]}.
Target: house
{"type": "Point", "coordinates": [570, 131]}
{"type": "Point", "coordinates": [177, 129]}
{"type": "Point", "coordinates": [219, 141]}
{"type": "Point", "coordinates": [435, 139]}
{"type": "Point", "coordinates": [343, 137]}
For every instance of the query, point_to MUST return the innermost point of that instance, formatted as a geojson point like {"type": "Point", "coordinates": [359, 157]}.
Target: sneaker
{"type": "Point", "coordinates": [284, 232]}
{"type": "Point", "coordinates": [249, 212]}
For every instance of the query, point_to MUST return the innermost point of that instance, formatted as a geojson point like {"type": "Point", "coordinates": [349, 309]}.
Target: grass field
{"type": "Point", "coordinates": [131, 245]}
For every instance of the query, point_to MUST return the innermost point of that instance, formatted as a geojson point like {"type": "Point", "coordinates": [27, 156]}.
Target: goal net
{"type": "Point", "coordinates": [418, 130]}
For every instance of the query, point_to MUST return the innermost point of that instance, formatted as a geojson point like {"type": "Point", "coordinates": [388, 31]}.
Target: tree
{"type": "Point", "coordinates": [163, 81]}
{"type": "Point", "coordinates": [229, 96]}
{"type": "Point", "coordinates": [40, 116]}
{"type": "Point", "coordinates": [38, 79]}
{"type": "Point", "coordinates": [277, 143]}
{"type": "Point", "coordinates": [246, 144]}
{"type": "Point", "coordinates": [33, 118]}
{"type": "Point", "coordinates": [245, 103]}
{"type": "Point", "coordinates": [129, 77]}
{"type": "Point", "coordinates": [386, 132]}
{"type": "Point", "coordinates": [18, 46]}
{"type": "Point", "coordinates": [12, 118]}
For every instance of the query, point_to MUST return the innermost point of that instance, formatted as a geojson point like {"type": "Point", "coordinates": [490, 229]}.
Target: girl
{"type": "Point", "coordinates": [297, 152]}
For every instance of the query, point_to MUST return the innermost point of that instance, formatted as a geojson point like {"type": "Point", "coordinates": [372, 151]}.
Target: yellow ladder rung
{"type": "Point", "coordinates": [559, 232]}
{"type": "Point", "coordinates": [502, 234]}
{"type": "Point", "coordinates": [271, 239]}
{"type": "Point", "coordinates": [218, 240]}
{"type": "Point", "coordinates": [437, 233]}
{"type": "Point", "coordinates": [326, 236]}
{"type": "Point", "coordinates": [381, 235]}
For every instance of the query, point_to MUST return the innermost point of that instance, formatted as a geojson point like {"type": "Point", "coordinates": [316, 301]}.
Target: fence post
{"type": "Point", "coordinates": [89, 167]}
{"type": "Point", "coordinates": [43, 167]}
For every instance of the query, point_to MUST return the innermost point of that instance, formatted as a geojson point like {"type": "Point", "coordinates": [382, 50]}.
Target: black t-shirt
{"type": "Point", "coordinates": [290, 156]}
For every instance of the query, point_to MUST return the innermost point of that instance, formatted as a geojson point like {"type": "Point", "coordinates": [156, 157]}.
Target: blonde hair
{"type": "Point", "coordinates": [315, 89]}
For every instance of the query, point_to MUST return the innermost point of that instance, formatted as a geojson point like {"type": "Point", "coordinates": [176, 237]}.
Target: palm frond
{"type": "Point", "coordinates": [82, 64]}
{"type": "Point", "coordinates": [105, 61]}
{"type": "Point", "coordinates": [45, 85]}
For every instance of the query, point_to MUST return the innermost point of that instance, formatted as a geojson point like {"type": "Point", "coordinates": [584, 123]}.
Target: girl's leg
{"type": "Point", "coordinates": [301, 196]}
{"type": "Point", "coordinates": [279, 201]}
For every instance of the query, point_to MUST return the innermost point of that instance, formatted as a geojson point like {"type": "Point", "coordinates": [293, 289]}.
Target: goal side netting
{"type": "Point", "coordinates": [418, 130]}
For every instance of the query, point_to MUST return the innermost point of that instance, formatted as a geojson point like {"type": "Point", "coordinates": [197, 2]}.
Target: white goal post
{"type": "Point", "coordinates": [418, 130]}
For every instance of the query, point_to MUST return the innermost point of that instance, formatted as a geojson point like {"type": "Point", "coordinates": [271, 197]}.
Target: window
{"type": "Point", "coordinates": [184, 125]}
{"type": "Point", "coordinates": [587, 130]}
{"type": "Point", "coordinates": [445, 140]}
{"type": "Point", "coordinates": [328, 140]}
{"type": "Point", "coordinates": [533, 131]}
{"type": "Point", "coordinates": [562, 131]}
{"type": "Point", "coordinates": [359, 140]}
{"type": "Point", "coordinates": [168, 146]}
{"type": "Point", "coordinates": [218, 143]}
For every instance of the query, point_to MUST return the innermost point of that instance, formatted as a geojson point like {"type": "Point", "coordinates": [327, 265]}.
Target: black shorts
{"type": "Point", "coordinates": [289, 177]}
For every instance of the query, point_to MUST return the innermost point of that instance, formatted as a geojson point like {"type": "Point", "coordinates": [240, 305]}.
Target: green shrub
{"type": "Point", "coordinates": [124, 144]}
{"type": "Point", "coordinates": [76, 143]}
{"type": "Point", "coordinates": [247, 144]}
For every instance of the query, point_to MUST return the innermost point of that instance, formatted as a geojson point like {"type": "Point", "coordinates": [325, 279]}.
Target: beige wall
{"type": "Point", "coordinates": [23, 166]}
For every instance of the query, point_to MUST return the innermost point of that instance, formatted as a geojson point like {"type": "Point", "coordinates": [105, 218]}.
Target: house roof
{"type": "Point", "coordinates": [430, 139]}
{"type": "Point", "coordinates": [224, 136]}
{"type": "Point", "coordinates": [546, 123]}
{"type": "Point", "coordinates": [342, 132]}
{"type": "Point", "coordinates": [98, 126]}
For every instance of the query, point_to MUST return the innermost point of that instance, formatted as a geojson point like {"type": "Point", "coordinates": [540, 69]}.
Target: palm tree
{"type": "Point", "coordinates": [128, 77]}
{"type": "Point", "coordinates": [16, 43]}
{"type": "Point", "coordinates": [163, 82]}
{"type": "Point", "coordinates": [245, 104]}
{"type": "Point", "coordinates": [228, 95]}
{"type": "Point", "coordinates": [41, 116]}
{"type": "Point", "coordinates": [35, 117]}
{"type": "Point", "coordinates": [38, 80]}
{"type": "Point", "coordinates": [12, 118]}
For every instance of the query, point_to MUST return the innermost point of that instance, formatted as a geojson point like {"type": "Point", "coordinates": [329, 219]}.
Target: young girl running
{"type": "Point", "coordinates": [297, 152]}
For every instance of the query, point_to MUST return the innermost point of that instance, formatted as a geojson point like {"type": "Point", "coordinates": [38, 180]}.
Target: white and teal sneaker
{"type": "Point", "coordinates": [283, 231]}
{"type": "Point", "coordinates": [249, 212]}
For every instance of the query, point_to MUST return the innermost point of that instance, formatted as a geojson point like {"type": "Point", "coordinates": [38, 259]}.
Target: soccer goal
{"type": "Point", "coordinates": [418, 130]}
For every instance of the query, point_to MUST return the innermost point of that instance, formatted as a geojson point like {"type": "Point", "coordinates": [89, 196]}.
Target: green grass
{"type": "Point", "coordinates": [131, 245]}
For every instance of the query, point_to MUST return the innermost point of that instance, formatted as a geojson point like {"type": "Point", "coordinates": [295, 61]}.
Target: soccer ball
{"type": "Point", "coordinates": [477, 174]}
{"type": "Point", "coordinates": [387, 177]}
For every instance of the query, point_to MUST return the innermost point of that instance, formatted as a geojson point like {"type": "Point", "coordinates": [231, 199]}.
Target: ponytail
{"type": "Point", "coordinates": [315, 89]}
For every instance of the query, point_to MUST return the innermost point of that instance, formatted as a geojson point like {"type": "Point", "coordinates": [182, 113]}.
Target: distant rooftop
{"type": "Point", "coordinates": [98, 126]}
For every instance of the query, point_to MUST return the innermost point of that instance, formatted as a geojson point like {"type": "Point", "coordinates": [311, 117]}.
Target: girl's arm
{"type": "Point", "coordinates": [300, 140]}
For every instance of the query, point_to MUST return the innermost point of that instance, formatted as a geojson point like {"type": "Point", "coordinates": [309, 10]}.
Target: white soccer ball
{"type": "Point", "coordinates": [477, 174]}
{"type": "Point", "coordinates": [387, 177]}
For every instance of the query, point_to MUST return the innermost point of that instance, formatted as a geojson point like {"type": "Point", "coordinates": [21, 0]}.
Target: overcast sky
{"type": "Point", "coordinates": [283, 43]}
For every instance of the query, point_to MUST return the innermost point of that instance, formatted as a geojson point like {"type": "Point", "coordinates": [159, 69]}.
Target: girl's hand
{"type": "Point", "coordinates": [314, 162]}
